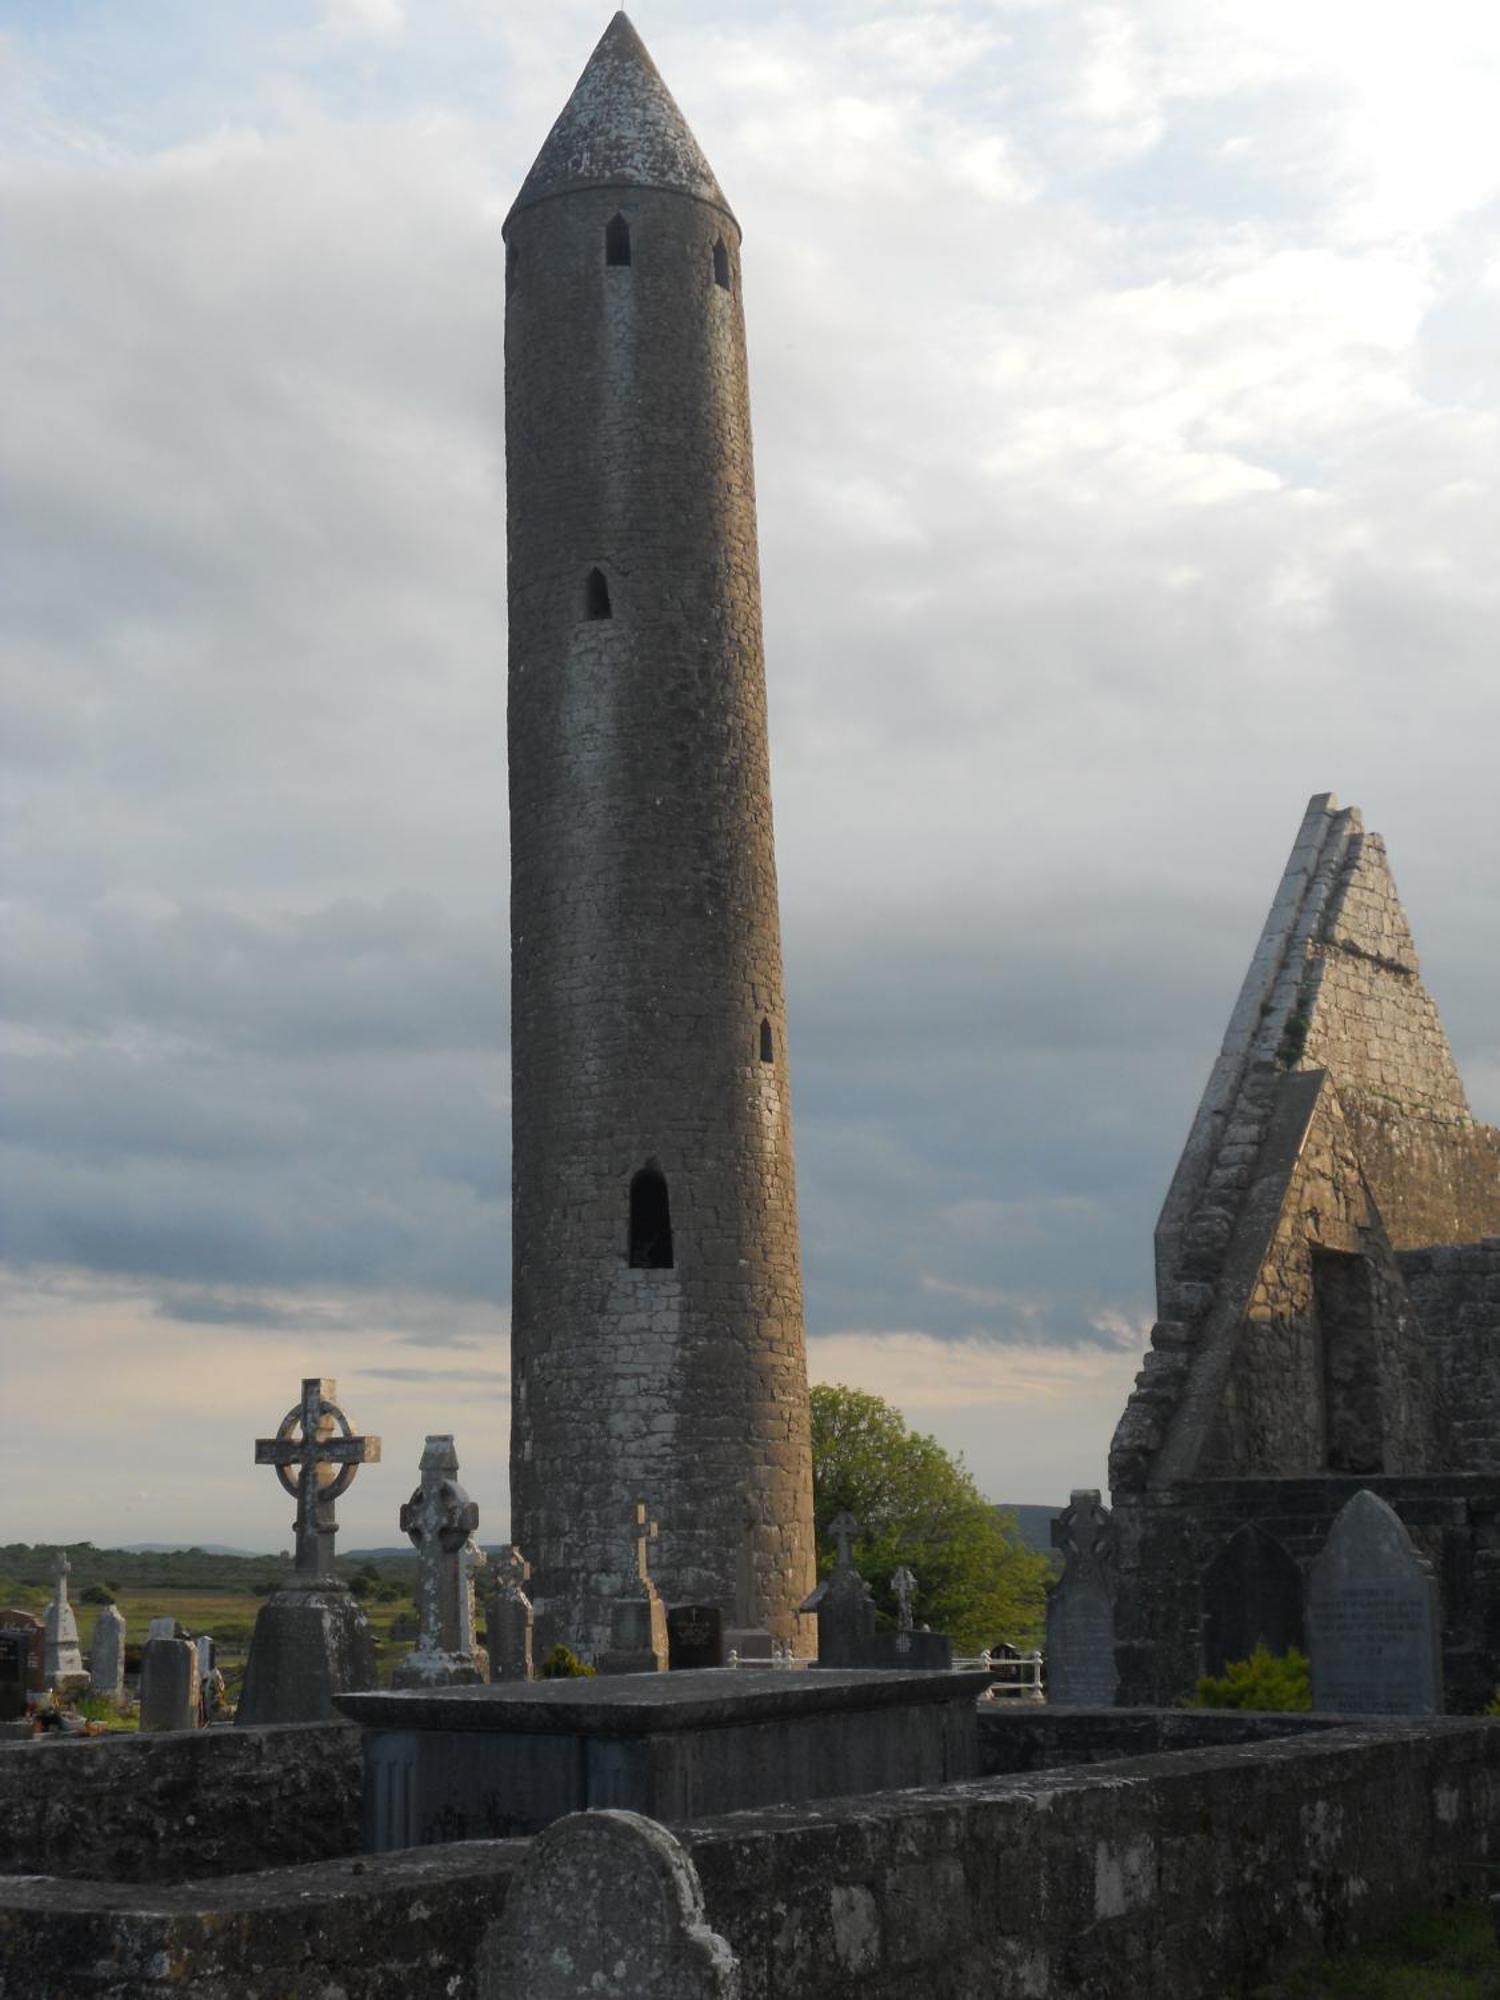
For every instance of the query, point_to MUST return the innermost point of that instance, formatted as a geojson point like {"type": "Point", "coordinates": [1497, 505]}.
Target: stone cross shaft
{"type": "Point", "coordinates": [439, 1519]}
{"type": "Point", "coordinates": [317, 1438]}
{"type": "Point", "coordinates": [845, 1531]}
{"type": "Point", "coordinates": [642, 1535]}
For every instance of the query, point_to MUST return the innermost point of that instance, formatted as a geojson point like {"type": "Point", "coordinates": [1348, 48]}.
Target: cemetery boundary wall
{"type": "Point", "coordinates": [1187, 1872]}
{"type": "Point", "coordinates": [180, 1805]}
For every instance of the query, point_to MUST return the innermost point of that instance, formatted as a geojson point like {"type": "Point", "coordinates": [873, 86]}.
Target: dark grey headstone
{"type": "Point", "coordinates": [1081, 1669]}
{"type": "Point", "coordinates": [695, 1636]}
{"type": "Point", "coordinates": [1373, 1619]}
{"type": "Point", "coordinates": [1081, 1642]}
{"type": "Point", "coordinates": [169, 1685]}
{"type": "Point", "coordinates": [15, 1668]}
{"type": "Point", "coordinates": [1252, 1596]}
{"type": "Point", "coordinates": [31, 1630]}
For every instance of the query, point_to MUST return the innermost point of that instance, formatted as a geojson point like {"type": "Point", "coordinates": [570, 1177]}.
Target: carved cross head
{"type": "Point", "coordinates": [845, 1531]}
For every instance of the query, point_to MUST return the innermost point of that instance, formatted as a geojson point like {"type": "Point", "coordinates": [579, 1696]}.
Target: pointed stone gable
{"type": "Point", "coordinates": [621, 127]}
{"type": "Point", "coordinates": [1334, 1000]}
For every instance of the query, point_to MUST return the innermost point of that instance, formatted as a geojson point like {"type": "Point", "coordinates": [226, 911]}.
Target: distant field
{"type": "Point", "coordinates": [206, 1592]}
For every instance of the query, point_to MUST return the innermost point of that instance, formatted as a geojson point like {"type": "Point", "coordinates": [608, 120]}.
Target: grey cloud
{"type": "Point", "coordinates": [1097, 534]}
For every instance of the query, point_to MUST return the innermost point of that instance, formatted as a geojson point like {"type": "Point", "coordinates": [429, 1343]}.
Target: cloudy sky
{"type": "Point", "coordinates": [1125, 381]}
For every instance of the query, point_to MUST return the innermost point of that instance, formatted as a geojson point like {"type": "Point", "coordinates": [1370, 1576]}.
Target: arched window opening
{"type": "Point", "coordinates": [767, 1042]}
{"type": "Point", "coordinates": [617, 240]}
{"type": "Point", "coordinates": [596, 602]}
{"type": "Point", "coordinates": [721, 265]}
{"type": "Point", "coordinates": [650, 1222]}
{"type": "Point", "coordinates": [512, 258]}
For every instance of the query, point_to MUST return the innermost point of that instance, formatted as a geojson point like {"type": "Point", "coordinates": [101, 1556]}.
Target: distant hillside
{"type": "Point", "coordinates": [184, 1548]}
{"type": "Point", "coordinates": [1033, 1524]}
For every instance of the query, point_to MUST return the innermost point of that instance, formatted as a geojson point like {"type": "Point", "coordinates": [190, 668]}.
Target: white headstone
{"type": "Point", "coordinates": [62, 1658]}
{"type": "Point", "coordinates": [107, 1654]}
{"type": "Point", "coordinates": [169, 1685]}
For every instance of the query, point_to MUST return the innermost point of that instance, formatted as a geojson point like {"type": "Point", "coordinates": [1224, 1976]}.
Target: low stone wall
{"type": "Point", "coordinates": [392, 1927]}
{"type": "Point", "coordinates": [1038, 1737]}
{"type": "Point", "coordinates": [1187, 1873]}
{"type": "Point", "coordinates": [179, 1806]}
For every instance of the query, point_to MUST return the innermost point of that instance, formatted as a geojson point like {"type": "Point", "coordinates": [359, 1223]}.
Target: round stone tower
{"type": "Point", "coordinates": [657, 1339]}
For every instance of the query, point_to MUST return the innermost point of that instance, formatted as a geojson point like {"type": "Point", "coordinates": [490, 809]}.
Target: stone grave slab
{"type": "Point", "coordinates": [1373, 1618]}
{"type": "Point", "coordinates": [490, 1762]}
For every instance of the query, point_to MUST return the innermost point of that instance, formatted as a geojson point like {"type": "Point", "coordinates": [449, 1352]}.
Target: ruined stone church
{"type": "Point", "coordinates": [1328, 1292]}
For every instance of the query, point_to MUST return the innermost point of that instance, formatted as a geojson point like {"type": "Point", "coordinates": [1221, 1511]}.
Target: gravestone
{"type": "Point", "coordinates": [1251, 1596]}
{"type": "Point", "coordinates": [62, 1663]}
{"type": "Point", "coordinates": [508, 1616]}
{"type": "Point", "coordinates": [1373, 1621]}
{"type": "Point", "coordinates": [638, 1619]}
{"type": "Point", "coordinates": [1080, 1607]}
{"type": "Point", "coordinates": [311, 1639]}
{"type": "Point", "coordinates": [439, 1520]}
{"type": "Point", "coordinates": [107, 1655]}
{"type": "Point", "coordinates": [15, 1669]}
{"type": "Point", "coordinates": [169, 1685]}
{"type": "Point", "coordinates": [842, 1601]}
{"type": "Point", "coordinates": [695, 1636]}
{"type": "Point", "coordinates": [30, 1629]}
{"type": "Point", "coordinates": [624, 1895]}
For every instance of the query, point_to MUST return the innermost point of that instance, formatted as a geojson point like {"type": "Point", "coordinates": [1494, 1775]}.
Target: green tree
{"type": "Point", "coordinates": [918, 1505]}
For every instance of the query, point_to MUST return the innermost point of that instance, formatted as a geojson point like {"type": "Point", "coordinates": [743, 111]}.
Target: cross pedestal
{"type": "Point", "coordinates": [311, 1639]}
{"type": "Point", "coordinates": [638, 1642]}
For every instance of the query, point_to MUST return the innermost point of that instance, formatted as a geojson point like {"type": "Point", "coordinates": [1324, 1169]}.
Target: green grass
{"type": "Point", "coordinates": [1444, 1955]}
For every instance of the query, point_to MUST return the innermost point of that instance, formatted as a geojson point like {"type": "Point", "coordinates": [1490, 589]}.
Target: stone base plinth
{"type": "Point", "coordinates": [437, 1670]}
{"type": "Point", "coordinates": [487, 1763]}
{"type": "Point", "coordinates": [310, 1644]}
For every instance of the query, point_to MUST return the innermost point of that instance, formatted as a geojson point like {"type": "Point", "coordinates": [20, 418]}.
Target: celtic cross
{"type": "Point", "coordinates": [845, 1531]}
{"type": "Point", "coordinates": [318, 1439]}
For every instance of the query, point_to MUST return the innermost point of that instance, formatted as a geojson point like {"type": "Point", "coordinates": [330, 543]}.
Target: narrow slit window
{"type": "Point", "coordinates": [596, 602]}
{"type": "Point", "coordinates": [721, 265]}
{"type": "Point", "coordinates": [650, 1222]}
{"type": "Point", "coordinates": [767, 1042]}
{"type": "Point", "coordinates": [512, 259]}
{"type": "Point", "coordinates": [617, 240]}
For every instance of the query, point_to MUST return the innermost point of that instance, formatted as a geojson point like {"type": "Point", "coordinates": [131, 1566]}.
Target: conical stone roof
{"type": "Point", "coordinates": [621, 128]}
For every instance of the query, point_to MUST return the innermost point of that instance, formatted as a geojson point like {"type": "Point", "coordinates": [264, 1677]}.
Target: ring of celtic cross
{"type": "Point", "coordinates": [290, 1428]}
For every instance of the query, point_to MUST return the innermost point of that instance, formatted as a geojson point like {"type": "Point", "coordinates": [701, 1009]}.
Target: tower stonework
{"type": "Point", "coordinates": [657, 1334]}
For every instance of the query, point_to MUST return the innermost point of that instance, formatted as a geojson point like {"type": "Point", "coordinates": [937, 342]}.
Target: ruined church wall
{"type": "Point", "coordinates": [1274, 1418]}
{"type": "Point", "coordinates": [1456, 1288]}
{"type": "Point", "coordinates": [1167, 1541]}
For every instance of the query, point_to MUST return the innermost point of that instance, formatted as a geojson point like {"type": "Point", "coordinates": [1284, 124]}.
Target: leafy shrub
{"type": "Point", "coordinates": [1265, 1681]}
{"type": "Point", "coordinates": [563, 1665]}
{"type": "Point", "coordinates": [97, 1593]}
